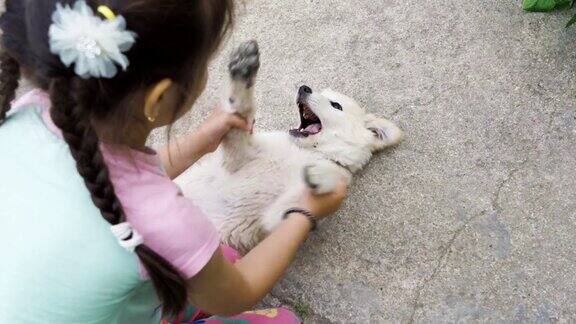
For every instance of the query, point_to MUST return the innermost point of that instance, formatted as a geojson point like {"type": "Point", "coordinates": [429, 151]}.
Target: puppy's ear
{"type": "Point", "coordinates": [385, 133]}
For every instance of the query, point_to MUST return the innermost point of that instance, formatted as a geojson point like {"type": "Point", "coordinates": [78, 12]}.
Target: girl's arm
{"type": "Point", "coordinates": [224, 288]}
{"type": "Point", "coordinates": [182, 153]}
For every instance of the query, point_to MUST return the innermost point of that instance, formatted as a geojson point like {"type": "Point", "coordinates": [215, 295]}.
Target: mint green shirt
{"type": "Point", "coordinates": [59, 262]}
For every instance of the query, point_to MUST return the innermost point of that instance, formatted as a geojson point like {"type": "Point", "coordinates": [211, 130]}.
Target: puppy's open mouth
{"type": "Point", "coordinates": [310, 124]}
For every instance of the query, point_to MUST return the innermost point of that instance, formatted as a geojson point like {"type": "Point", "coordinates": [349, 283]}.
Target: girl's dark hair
{"type": "Point", "coordinates": [176, 39]}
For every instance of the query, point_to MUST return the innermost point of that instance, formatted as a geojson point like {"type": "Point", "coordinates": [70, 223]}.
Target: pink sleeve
{"type": "Point", "coordinates": [174, 227]}
{"type": "Point", "coordinates": [170, 224]}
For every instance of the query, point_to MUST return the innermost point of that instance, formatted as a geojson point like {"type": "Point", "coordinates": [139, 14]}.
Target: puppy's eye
{"type": "Point", "coordinates": [336, 105]}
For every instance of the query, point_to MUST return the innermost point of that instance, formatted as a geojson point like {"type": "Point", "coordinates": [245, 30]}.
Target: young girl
{"type": "Point", "coordinates": [92, 228]}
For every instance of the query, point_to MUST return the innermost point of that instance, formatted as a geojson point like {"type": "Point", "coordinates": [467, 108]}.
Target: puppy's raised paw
{"type": "Point", "coordinates": [245, 63]}
{"type": "Point", "coordinates": [323, 177]}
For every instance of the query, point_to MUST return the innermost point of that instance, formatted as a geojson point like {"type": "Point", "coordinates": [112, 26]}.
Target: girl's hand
{"type": "Point", "coordinates": [322, 206]}
{"type": "Point", "coordinates": [179, 155]}
{"type": "Point", "coordinates": [219, 123]}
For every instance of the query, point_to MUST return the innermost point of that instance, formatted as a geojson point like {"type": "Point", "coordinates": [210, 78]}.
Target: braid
{"type": "Point", "coordinates": [73, 119]}
{"type": "Point", "coordinates": [157, 54]}
{"type": "Point", "coordinates": [9, 77]}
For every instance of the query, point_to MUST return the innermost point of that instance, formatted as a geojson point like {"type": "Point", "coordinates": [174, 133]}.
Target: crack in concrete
{"type": "Point", "coordinates": [439, 264]}
{"type": "Point", "coordinates": [417, 104]}
{"type": "Point", "coordinates": [495, 203]}
{"type": "Point", "coordinates": [496, 200]}
{"type": "Point", "coordinates": [395, 112]}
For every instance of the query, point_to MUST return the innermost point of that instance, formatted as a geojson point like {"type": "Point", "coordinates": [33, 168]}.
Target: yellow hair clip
{"type": "Point", "coordinates": [106, 12]}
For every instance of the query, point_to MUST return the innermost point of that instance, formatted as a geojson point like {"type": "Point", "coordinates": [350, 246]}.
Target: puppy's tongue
{"type": "Point", "coordinates": [314, 128]}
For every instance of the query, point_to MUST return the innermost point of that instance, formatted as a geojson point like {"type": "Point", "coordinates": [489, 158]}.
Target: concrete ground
{"type": "Point", "coordinates": [472, 218]}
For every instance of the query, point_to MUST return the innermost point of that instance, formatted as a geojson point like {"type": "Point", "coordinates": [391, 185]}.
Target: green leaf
{"type": "Point", "coordinates": [529, 4]}
{"type": "Point", "coordinates": [543, 5]}
{"type": "Point", "coordinates": [571, 21]}
{"type": "Point", "coordinates": [563, 4]}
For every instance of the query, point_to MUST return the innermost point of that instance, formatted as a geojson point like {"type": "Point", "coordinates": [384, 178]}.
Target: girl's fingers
{"type": "Point", "coordinates": [238, 122]}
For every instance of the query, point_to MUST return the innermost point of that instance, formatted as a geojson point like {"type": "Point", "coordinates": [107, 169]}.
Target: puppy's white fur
{"type": "Point", "coordinates": [247, 185]}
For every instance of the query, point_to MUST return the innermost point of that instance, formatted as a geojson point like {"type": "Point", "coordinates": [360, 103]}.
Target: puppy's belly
{"type": "Point", "coordinates": [235, 203]}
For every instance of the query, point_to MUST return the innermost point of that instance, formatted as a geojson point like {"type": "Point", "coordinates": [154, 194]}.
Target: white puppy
{"type": "Point", "coordinates": [252, 180]}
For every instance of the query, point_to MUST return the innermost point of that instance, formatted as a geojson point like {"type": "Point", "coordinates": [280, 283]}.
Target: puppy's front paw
{"type": "Point", "coordinates": [322, 178]}
{"type": "Point", "coordinates": [245, 63]}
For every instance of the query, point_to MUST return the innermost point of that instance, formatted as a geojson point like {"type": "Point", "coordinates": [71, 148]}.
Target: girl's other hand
{"type": "Point", "coordinates": [219, 123]}
{"type": "Point", "coordinates": [322, 206]}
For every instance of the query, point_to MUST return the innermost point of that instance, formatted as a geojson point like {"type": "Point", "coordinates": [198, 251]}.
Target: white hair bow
{"type": "Point", "coordinates": [94, 45]}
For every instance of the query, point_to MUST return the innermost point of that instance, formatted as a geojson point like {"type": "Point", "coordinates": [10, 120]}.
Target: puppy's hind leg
{"type": "Point", "coordinates": [239, 99]}
{"type": "Point", "coordinates": [243, 69]}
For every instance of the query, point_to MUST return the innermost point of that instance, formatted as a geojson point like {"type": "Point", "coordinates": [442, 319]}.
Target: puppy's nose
{"type": "Point", "coordinates": [305, 90]}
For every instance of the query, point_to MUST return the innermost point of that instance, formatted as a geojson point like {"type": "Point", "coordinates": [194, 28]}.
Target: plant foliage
{"type": "Point", "coordinates": [549, 5]}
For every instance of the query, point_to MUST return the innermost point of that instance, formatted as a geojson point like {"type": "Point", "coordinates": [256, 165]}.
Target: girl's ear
{"type": "Point", "coordinates": [385, 133]}
{"type": "Point", "coordinates": [153, 96]}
